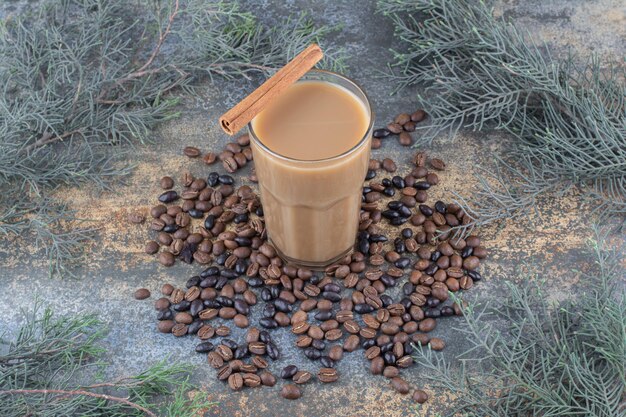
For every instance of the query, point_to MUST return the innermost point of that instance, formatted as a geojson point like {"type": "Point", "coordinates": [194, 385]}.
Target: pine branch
{"type": "Point", "coordinates": [44, 369]}
{"type": "Point", "coordinates": [480, 72]}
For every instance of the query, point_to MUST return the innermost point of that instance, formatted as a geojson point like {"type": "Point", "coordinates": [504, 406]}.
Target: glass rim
{"type": "Point", "coordinates": [358, 145]}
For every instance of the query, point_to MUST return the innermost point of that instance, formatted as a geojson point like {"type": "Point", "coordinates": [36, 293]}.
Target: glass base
{"type": "Point", "coordinates": [316, 266]}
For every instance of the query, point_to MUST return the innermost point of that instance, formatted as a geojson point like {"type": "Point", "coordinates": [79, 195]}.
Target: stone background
{"type": "Point", "coordinates": [548, 247]}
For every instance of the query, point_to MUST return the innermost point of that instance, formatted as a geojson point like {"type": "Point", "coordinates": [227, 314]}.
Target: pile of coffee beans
{"type": "Point", "coordinates": [383, 299]}
{"type": "Point", "coordinates": [402, 126]}
{"type": "Point", "coordinates": [234, 156]}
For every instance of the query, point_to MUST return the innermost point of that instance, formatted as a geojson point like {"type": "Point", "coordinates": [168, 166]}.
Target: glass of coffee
{"type": "Point", "coordinates": [311, 151]}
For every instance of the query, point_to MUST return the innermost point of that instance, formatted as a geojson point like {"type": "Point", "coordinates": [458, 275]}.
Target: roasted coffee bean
{"type": "Point", "coordinates": [166, 258]}
{"type": "Point", "coordinates": [142, 294]}
{"type": "Point", "coordinates": [290, 392]}
{"type": "Point", "coordinates": [377, 365]}
{"type": "Point", "coordinates": [288, 371]}
{"type": "Point", "coordinates": [267, 379]}
{"type": "Point", "coordinates": [166, 183]}
{"type": "Point", "coordinates": [388, 165]}
{"type": "Point", "coordinates": [327, 375]}
{"type": "Point", "coordinates": [301, 377]}
{"type": "Point", "coordinates": [420, 396]}
{"type": "Point", "coordinates": [418, 116]}
{"type": "Point", "coordinates": [168, 197]}
{"type": "Point", "coordinates": [400, 385]}
{"type": "Point", "coordinates": [165, 326]}
{"type": "Point", "coordinates": [191, 151]}
{"type": "Point", "coordinates": [381, 133]}
{"type": "Point", "coordinates": [235, 381]}
{"type": "Point", "coordinates": [405, 139]}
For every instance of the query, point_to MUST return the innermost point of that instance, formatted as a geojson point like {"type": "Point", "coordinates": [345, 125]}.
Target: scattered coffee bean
{"type": "Point", "coordinates": [290, 392]}
{"type": "Point", "coordinates": [420, 396]}
{"type": "Point", "coordinates": [191, 152]}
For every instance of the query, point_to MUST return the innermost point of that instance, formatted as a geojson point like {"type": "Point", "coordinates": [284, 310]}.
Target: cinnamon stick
{"type": "Point", "coordinates": [240, 115]}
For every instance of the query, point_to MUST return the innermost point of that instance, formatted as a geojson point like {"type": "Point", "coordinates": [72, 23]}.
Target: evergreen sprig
{"type": "Point", "coordinates": [49, 370]}
{"type": "Point", "coordinates": [532, 357]}
{"type": "Point", "coordinates": [481, 72]}
{"type": "Point", "coordinates": [83, 81]}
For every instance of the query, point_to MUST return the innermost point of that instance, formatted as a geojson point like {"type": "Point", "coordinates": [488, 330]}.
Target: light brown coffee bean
{"type": "Point", "coordinates": [191, 151]}
{"type": "Point", "coordinates": [327, 375]}
{"type": "Point", "coordinates": [400, 385]}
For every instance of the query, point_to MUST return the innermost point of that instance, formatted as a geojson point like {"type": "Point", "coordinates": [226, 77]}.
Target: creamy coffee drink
{"type": "Point", "coordinates": [311, 150]}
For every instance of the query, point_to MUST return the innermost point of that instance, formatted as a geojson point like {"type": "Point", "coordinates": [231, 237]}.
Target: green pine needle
{"type": "Point", "coordinates": [43, 372]}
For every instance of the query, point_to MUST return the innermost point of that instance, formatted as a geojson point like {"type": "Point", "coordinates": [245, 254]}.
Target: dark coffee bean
{"type": "Point", "coordinates": [467, 251]}
{"type": "Point", "coordinates": [241, 306]}
{"type": "Point", "coordinates": [182, 306]}
{"type": "Point", "coordinates": [264, 336]}
{"type": "Point", "coordinates": [194, 327]}
{"type": "Point", "coordinates": [272, 351]}
{"type": "Point", "coordinates": [312, 353]}
{"type": "Point", "coordinates": [389, 192]}
{"type": "Point", "coordinates": [426, 210]}
{"type": "Point", "coordinates": [204, 347]}
{"type": "Point", "coordinates": [318, 344]}
{"type": "Point", "coordinates": [402, 263]}
{"type": "Point", "coordinates": [268, 311]}
{"type": "Point", "coordinates": [331, 296]}
{"type": "Point", "coordinates": [327, 362]}
{"type": "Point", "coordinates": [421, 185]}
{"type": "Point", "coordinates": [323, 315]}
{"type": "Point", "coordinates": [407, 233]}
{"type": "Point", "coordinates": [475, 275]}
{"type": "Point", "coordinates": [209, 222]}
{"type": "Point", "coordinates": [386, 299]}
{"type": "Point", "coordinates": [213, 179]}
{"type": "Point", "coordinates": [440, 206]}
{"type": "Point", "coordinates": [165, 315]}
{"type": "Point", "coordinates": [432, 313]}
{"type": "Point", "coordinates": [399, 221]}
{"type": "Point", "coordinates": [363, 308]}
{"type": "Point", "coordinates": [288, 371]}
{"type": "Point", "coordinates": [168, 196]}
{"type": "Point", "coordinates": [381, 133]}
{"type": "Point", "coordinates": [398, 182]}
{"type": "Point", "coordinates": [447, 311]}
{"type": "Point", "coordinates": [268, 323]}
{"type": "Point", "coordinates": [282, 305]}
{"type": "Point", "coordinates": [370, 174]}
{"type": "Point", "coordinates": [390, 214]}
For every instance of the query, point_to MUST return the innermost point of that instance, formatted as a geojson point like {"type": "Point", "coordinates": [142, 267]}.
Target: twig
{"type": "Point", "coordinates": [142, 71]}
{"type": "Point", "coordinates": [64, 393]}
{"type": "Point", "coordinates": [48, 138]}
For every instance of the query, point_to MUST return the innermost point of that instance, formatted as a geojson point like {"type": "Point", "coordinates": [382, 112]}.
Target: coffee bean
{"type": "Point", "coordinates": [394, 128]}
{"type": "Point", "coordinates": [405, 139]}
{"type": "Point", "coordinates": [327, 375]}
{"type": "Point", "coordinates": [235, 381]}
{"type": "Point", "coordinates": [437, 164]}
{"type": "Point", "coordinates": [142, 294]}
{"type": "Point", "coordinates": [290, 392]}
{"type": "Point", "coordinates": [418, 116]}
{"type": "Point", "coordinates": [191, 152]}
{"type": "Point", "coordinates": [168, 196]}
{"type": "Point", "coordinates": [301, 377]}
{"type": "Point", "coordinates": [166, 258]}
{"type": "Point", "coordinates": [420, 396]}
{"type": "Point", "coordinates": [388, 165]}
{"type": "Point", "coordinates": [400, 385]}
{"type": "Point", "coordinates": [267, 378]}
